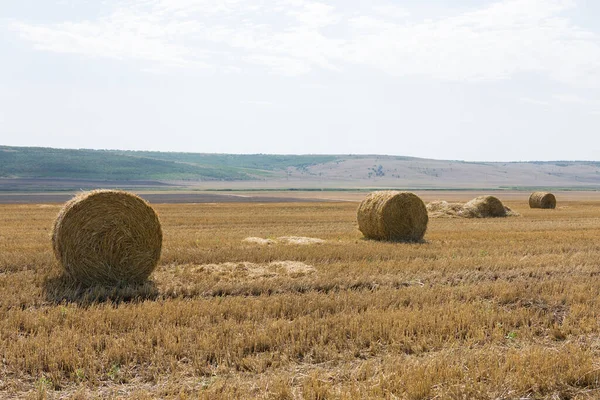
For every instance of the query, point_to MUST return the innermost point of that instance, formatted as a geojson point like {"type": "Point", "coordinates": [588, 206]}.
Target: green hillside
{"type": "Point", "coordinates": [266, 171]}
{"type": "Point", "coordinates": [37, 162]}
{"type": "Point", "coordinates": [40, 162]}
{"type": "Point", "coordinates": [254, 162]}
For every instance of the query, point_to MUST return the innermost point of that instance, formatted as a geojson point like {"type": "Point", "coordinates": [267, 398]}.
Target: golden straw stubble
{"type": "Point", "coordinates": [107, 237]}
{"type": "Point", "coordinates": [393, 216]}
{"type": "Point", "coordinates": [542, 200]}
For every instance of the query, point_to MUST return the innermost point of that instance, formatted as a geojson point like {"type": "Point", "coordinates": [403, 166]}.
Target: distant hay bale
{"type": "Point", "coordinates": [542, 200]}
{"type": "Point", "coordinates": [484, 207]}
{"type": "Point", "coordinates": [392, 215]}
{"type": "Point", "coordinates": [107, 237]}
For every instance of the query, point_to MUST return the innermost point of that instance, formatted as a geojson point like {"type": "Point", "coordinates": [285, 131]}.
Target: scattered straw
{"type": "Point", "coordinates": [484, 207]}
{"type": "Point", "coordinates": [542, 200]}
{"type": "Point", "coordinates": [391, 215]}
{"type": "Point", "coordinates": [302, 240]}
{"type": "Point", "coordinates": [254, 270]}
{"type": "Point", "coordinates": [257, 240]}
{"type": "Point", "coordinates": [438, 209]}
{"type": "Point", "coordinates": [107, 237]}
{"type": "Point", "coordinates": [294, 268]}
{"type": "Point", "coordinates": [479, 207]}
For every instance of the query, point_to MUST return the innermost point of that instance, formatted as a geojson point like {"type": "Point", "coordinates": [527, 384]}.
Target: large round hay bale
{"type": "Point", "coordinates": [484, 207]}
{"type": "Point", "coordinates": [107, 237]}
{"type": "Point", "coordinates": [542, 200]}
{"type": "Point", "coordinates": [392, 215]}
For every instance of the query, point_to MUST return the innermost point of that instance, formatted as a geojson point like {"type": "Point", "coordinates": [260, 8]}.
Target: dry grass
{"type": "Point", "coordinates": [486, 309]}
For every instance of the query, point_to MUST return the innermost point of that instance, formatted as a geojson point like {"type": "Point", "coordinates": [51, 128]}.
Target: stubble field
{"type": "Point", "coordinates": [484, 309]}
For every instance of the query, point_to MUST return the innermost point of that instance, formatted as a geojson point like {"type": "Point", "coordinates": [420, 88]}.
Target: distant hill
{"type": "Point", "coordinates": [37, 162]}
{"type": "Point", "coordinates": [54, 167]}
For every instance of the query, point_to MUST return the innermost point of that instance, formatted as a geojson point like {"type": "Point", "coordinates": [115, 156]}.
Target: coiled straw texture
{"type": "Point", "coordinates": [542, 200]}
{"type": "Point", "coordinates": [107, 237]}
{"type": "Point", "coordinates": [393, 216]}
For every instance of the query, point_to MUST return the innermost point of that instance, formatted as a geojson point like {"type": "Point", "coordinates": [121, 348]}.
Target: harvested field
{"type": "Point", "coordinates": [484, 309]}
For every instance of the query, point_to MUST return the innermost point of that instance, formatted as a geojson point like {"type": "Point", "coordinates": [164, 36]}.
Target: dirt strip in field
{"type": "Point", "coordinates": [176, 197]}
{"type": "Point", "coordinates": [167, 198]}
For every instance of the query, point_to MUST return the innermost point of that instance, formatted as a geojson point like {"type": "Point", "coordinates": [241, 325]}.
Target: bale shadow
{"type": "Point", "coordinates": [64, 289]}
{"type": "Point", "coordinates": [396, 241]}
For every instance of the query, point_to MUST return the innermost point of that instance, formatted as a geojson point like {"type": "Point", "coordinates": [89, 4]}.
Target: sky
{"type": "Point", "coordinates": [477, 80]}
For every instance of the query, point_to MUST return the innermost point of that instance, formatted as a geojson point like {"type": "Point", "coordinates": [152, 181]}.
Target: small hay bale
{"type": "Point", "coordinates": [542, 200]}
{"type": "Point", "coordinates": [107, 237]}
{"type": "Point", "coordinates": [392, 215]}
{"type": "Point", "coordinates": [484, 207]}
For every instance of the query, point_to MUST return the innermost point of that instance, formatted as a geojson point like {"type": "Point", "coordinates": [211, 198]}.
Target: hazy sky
{"type": "Point", "coordinates": [461, 79]}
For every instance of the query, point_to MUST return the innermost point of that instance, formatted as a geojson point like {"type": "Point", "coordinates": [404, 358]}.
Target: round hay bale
{"type": "Point", "coordinates": [107, 237]}
{"type": "Point", "coordinates": [542, 200]}
{"type": "Point", "coordinates": [394, 216]}
{"type": "Point", "coordinates": [484, 207]}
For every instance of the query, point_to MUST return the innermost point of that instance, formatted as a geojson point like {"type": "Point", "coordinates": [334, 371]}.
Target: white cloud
{"type": "Point", "coordinates": [571, 98]}
{"type": "Point", "coordinates": [390, 10]}
{"type": "Point", "coordinates": [258, 102]}
{"type": "Point", "coordinates": [288, 66]}
{"type": "Point", "coordinates": [313, 14]}
{"type": "Point", "coordinates": [560, 101]}
{"type": "Point", "coordinates": [509, 37]}
{"type": "Point", "coordinates": [122, 36]}
{"type": "Point", "coordinates": [537, 102]}
{"type": "Point", "coordinates": [581, 103]}
{"type": "Point", "coordinates": [295, 37]}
